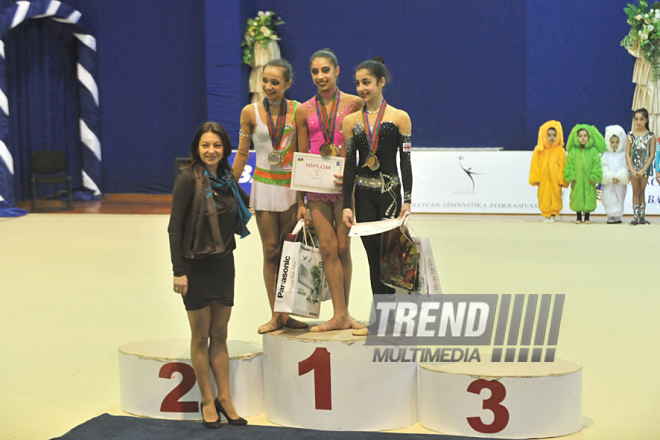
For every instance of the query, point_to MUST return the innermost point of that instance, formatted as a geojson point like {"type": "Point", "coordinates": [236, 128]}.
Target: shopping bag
{"type": "Point", "coordinates": [399, 259]}
{"type": "Point", "coordinates": [300, 277]}
{"type": "Point", "coordinates": [429, 281]}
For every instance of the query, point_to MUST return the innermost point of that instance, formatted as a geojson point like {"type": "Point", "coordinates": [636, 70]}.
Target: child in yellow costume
{"type": "Point", "coordinates": [547, 169]}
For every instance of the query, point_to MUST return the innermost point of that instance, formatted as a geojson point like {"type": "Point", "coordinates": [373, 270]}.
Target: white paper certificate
{"type": "Point", "coordinates": [315, 173]}
{"type": "Point", "coordinates": [373, 228]}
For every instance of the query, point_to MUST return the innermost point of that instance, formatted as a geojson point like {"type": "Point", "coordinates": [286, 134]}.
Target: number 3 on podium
{"type": "Point", "coordinates": [497, 395]}
{"type": "Point", "coordinates": [319, 361]}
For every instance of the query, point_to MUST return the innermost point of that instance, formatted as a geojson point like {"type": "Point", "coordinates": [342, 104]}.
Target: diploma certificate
{"type": "Point", "coordinates": [373, 228]}
{"type": "Point", "coordinates": [315, 173]}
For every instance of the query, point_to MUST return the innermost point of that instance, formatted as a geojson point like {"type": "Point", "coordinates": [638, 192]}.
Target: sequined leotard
{"type": "Point", "coordinates": [271, 183]}
{"type": "Point", "coordinates": [377, 193]}
{"type": "Point", "coordinates": [316, 138]}
{"type": "Point", "coordinates": [640, 147]}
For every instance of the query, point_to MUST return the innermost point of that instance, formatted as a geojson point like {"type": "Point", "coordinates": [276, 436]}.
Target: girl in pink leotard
{"type": "Point", "coordinates": [319, 124]}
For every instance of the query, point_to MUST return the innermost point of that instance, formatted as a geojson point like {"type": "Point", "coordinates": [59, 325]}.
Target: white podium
{"type": "Point", "coordinates": [501, 399]}
{"type": "Point", "coordinates": [330, 381]}
{"type": "Point", "coordinates": [157, 379]}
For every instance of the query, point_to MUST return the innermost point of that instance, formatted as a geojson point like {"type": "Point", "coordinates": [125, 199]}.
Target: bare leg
{"type": "Point", "coordinates": [643, 181]}
{"type": "Point", "coordinates": [323, 218]}
{"type": "Point", "coordinates": [200, 321]}
{"type": "Point", "coordinates": [344, 244]}
{"type": "Point", "coordinates": [634, 181]}
{"type": "Point", "coordinates": [271, 226]}
{"type": "Point", "coordinates": [219, 356]}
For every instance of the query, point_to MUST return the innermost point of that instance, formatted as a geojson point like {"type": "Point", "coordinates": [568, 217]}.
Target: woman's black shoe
{"type": "Point", "coordinates": [209, 425]}
{"type": "Point", "coordinates": [235, 422]}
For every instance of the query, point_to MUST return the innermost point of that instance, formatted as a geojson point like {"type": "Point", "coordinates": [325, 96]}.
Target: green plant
{"type": "Point", "coordinates": [261, 29]}
{"type": "Point", "coordinates": [644, 24]}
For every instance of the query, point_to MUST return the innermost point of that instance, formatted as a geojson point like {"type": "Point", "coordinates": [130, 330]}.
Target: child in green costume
{"type": "Point", "coordinates": [582, 169]}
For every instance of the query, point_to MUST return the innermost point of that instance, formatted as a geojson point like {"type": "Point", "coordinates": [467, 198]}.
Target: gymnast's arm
{"type": "Point", "coordinates": [405, 130]}
{"type": "Point", "coordinates": [244, 140]}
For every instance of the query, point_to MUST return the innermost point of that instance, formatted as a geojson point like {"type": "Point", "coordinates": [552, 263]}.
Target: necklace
{"type": "Point", "coordinates": [374, 112]}
{"type": "Point", "coordinates": [274, 103]}
{"type": "Point", "coordinates": [329, 94]}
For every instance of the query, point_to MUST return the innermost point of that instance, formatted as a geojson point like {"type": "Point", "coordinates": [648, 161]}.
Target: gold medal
{"type": "Point", "coordinates": [274, 157]}
{"type": "Point", "coordinates": [372, 162]}
{"type": "Point", "coordinates": [325, 150]}
{"type": "Point", "coordinates": [334, 151]}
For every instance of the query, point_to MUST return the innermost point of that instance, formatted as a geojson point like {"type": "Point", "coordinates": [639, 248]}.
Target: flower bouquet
{"type": "Point", "coordinates": [259, 30]}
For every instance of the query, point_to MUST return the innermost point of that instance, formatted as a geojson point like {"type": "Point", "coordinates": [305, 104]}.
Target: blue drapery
{"type": "Point", "coordinates": [43, 93]}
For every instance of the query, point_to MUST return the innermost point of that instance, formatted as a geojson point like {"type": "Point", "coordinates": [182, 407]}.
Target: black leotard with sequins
{"type": "Point", "coordinates": [390, 140]}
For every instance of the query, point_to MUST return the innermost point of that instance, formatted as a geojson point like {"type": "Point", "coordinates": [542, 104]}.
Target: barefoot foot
{"type": "Point", "coordinates": [333, 324]}
{"type": "Point", "coordinates": [294, 323]}
{"type": "Point", "coordinates": [271, 326]}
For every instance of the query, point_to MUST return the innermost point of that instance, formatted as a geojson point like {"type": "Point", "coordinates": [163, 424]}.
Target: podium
{"type": "Point", "coordinates": [330, 381]}
{"type": "Point", "coordinates": [501, 399]}
{"type": "Point", "coordinates": [156, 379]}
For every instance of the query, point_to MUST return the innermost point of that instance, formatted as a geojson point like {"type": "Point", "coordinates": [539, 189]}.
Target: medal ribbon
{"type": "Point", "coordinates": [276, 132]}
{"type": "Point", "coordinates": [327, 124]}
{"type": "Point", "coordinates": [373, 135]}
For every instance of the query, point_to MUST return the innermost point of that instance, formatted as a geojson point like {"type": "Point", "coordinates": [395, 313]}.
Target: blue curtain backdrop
{"type": "Point", "coordinates": [43, 98]}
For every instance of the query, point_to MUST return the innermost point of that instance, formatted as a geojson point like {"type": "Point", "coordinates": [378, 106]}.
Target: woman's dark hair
{"type": "Point", "coordinates": [376, 67]}
{"type": "Point", "coordinates": [218, 129]}
{"type": "Point", "coordinates": [553, 129]}
{"type": "Point", "coordinates": [585, 130]}
{"type": "Point", "coordinates": [324, 53]}
{"type": "Point", "coordinates": [285, 65]}
{"type": "Point", "coordinates": [644, 113]}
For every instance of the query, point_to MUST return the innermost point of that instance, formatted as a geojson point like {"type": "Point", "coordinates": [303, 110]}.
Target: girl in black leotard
{"type": "Point", "coordinates": [374, 136]}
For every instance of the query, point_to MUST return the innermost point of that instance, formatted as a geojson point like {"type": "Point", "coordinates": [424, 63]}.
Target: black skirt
{"type": "Point", "coordinates": [210, 279]}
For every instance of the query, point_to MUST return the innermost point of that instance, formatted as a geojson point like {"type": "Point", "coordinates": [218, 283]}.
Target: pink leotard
{"type": "Point", "coordinates": [316, 139]}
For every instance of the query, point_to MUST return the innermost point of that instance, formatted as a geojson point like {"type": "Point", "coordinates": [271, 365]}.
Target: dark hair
{"type": "Point", "coordinates": [583, 129]}
{"type": "Point", "coordinates": [376, 67]}
{"type": "Point", "coordinates": [284, 64]}
{"type": "Point", "coordinates": [553, 129]}
{"type": "Point", "coordinates": [644, 113]}
{"type": "Point", "coordinates": [218, 129]}
{"type": "Point", "coordinates": [324, 53]}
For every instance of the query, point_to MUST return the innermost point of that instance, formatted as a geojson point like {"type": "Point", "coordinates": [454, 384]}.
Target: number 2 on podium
{"type": "Point", "coordinates": [319, 361]}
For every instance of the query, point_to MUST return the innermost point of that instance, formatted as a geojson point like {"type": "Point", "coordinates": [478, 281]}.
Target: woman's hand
{"type": "Point", "coordinates": [348, 217]}
{"type": "Point", "coordinates": [339, 180]}
{"type": "Point", "coordinates": [615, 180]}
{"type": "Point", "coordinates": [181, 285]}
{"type": "Point", "coordinates": [404, 208]}
{"type": "Point", "coordinates": [302, 214]}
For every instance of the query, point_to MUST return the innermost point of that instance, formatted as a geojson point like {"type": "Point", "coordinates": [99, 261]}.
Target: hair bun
{"type": "Point", "coordinates": [379, 59]}
{"type": "Point", "coordinates": [327, 49]}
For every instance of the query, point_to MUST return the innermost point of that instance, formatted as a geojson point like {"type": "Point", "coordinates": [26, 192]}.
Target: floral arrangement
{"type": "Point", "coordinates": [644, 24]}
{"type": "Point", "coordinates": [261, 29]}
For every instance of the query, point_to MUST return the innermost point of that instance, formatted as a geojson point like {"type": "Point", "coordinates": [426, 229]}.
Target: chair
{"type": "Point", "coordinates": [180, 162]}
{"type": "Point", "coordinates": [49, 166]}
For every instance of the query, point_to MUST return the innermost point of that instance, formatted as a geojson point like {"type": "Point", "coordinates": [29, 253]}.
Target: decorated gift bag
{"type": "Point", "coordinates": [429, 281]}
{"type": "Point", "coordinates": [300, 277]}
{"type": "Point", "coordinates": [399, 259]}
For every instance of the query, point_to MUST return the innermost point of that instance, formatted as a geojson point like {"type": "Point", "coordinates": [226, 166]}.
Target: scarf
{"type": "Point", "coordinates": [221, 184]}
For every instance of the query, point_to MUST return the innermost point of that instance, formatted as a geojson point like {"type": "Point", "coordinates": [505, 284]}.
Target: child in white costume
{"type": "Point", "coordinates": [615, 173]}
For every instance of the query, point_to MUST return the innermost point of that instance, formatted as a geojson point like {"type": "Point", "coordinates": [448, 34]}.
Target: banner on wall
{"type": "Point", "coordinates": [477, 182]}
{"type": "Point", "coordinates": [246, 178]}
{"type": "Point", "coordinates": [488, 182]}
